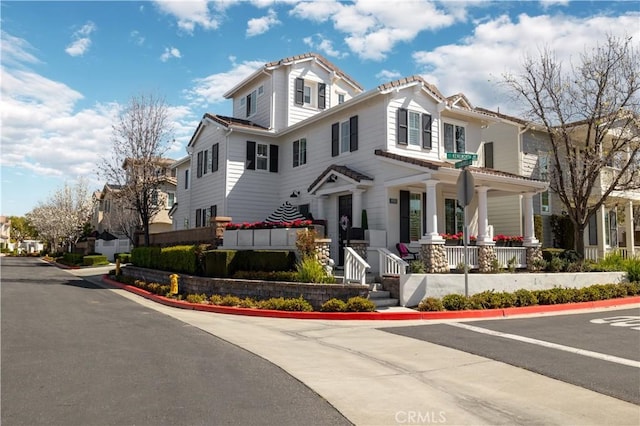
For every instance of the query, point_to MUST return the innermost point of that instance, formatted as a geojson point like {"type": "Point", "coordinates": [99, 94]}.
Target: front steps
{"type": "Point", "coordinates": [381, 297]}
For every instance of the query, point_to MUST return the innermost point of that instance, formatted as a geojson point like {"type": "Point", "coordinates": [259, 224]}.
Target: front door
{"type": "Point", "coordinates": [344, 210]}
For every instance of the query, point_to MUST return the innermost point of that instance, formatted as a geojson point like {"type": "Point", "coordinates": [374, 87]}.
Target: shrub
{"type": "Point", "coordinates": [229, 300]}
{"type": "Point", "coordinates": [460, 267]}
{"type": "Point", "coordinates": [550, 253]}
{"type": "Point", "coordinates": [216, 299]}
{"type": "Point", "coordinates": [267, 275]}
{"type": "Point", "coordinates": [124, 257]}
{"type": "Point", "coordinates": [360, 304]}
{"type": "Point", "coordinates": [495, 266]}
{"type": "Point", "coordinates": [281, 304]}
{"type": "Point", "coordinates": [179, 259]}
{"type": "Point", "coordinates": [511, 264]}
{"type": "Point", "coordinates": [612, 262]}
{"type": "Point", "coordinates": [633, 270]}
{"type": "Point", "coordinates": [525, 297]}
{"type": "Point", "coordinates": [334, 305]}
{"type": "Point", "coordinates": [72, 259]}
{"type": "Point", "coordinates": [96, 260]}
{"type": "Point", "coordinates": [632, 288]}
{"type": "Point", "coordinates": [218, 263]}
{"type": "Point", "coordinates": [146, 257]}
{"type": "Point", "coordinates": [416, 267]}
{"type": "Point", "coordinates": [247, 302]}
{"type": "Point", "coordinates": [555, 264]}
{"type": "Point", "coordinates": [196, 298]}
{"type": "Point", "coordinates": [311, 270]}
{"type": "Point", "coordinates": [455, 302]}
{"type": "Point", "coordinates": [430, 304]}
{"type": "Point", "coordinates": [306, 242]}
{"type": "Point", "coordinates": [571, 256]}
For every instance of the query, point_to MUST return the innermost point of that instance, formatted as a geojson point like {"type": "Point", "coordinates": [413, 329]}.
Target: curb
{"type": "Point", "coordinates": [373, 316]}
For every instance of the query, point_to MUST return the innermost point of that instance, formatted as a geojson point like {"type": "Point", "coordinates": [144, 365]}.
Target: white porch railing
{"type": "Point", "coordinates": [455, 256]}
{"type": "Point", "coordinates": [355, 267]}
{"type": "Point", "coordinates": [505, 254]}
{"type": "Point", "coordinates": [591, 253]}
{"type": "Point", "coordinates": [391, 264]}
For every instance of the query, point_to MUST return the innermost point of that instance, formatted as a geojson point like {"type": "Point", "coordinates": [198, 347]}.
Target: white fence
{"type": "Point", "coordinates": [110, 248]}
{"type": "Point", "coordinates": [390, 264]}
{"type": "Point", "coordinates": [455, 256]}
{"type": "Point", "coordinates": [355, 267]}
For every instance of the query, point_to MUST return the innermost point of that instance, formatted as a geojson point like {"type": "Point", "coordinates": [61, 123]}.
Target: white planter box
{"type": "Point", "coordinates": [230, 238]}
{"type": "Point", "coordinates": [245, 237]}
{"type": "Point", "coordinates": [279, 236]}
{"type": "Point", "coordinates": [262, 237]}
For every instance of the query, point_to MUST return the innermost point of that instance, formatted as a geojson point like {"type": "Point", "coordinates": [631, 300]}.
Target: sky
{"type": "Point", "coordinates": [68, 68]}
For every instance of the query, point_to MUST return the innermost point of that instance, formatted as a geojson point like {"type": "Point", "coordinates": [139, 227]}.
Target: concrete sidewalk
{"type": "Point", "coordinates": [378, 378]}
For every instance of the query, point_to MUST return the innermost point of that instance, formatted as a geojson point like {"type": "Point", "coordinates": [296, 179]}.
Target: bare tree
{"type": "Point", "coordinates": [140, 138]}
{"type": "Point", "coordinates": [61, 219]}
{"type": "Point", "coordinates": [121, 218]}
{"type": "Point", "coordinates": [591, 115]}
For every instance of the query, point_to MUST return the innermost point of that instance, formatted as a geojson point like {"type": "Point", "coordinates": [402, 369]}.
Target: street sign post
{"type": "Point", "coordinates": [466, 192]}
{"type": "Point", "coordinates": [461, 156]}
{"type": "Point", "coordinates": [463, 163]}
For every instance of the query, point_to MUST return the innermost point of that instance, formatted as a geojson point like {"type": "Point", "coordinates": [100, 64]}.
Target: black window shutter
{"type": "Point", "coordinates": [251, 155]}
{"type": "Point", "coordinates": [199, 170]}
{"type": "Point", "coordinates": [335, 139]}
{"type": "Point", "coordinates": [404, 217]}
{"type": "Point", "coordinates": [248, 105]}
{"type": "Point", "coordinates": [296, 153]}
{"type": "Point", "coordinates": [488, 155]}
{"type": "Point", "coordinates": [593, 229]}
{"type": "Point", "coordinates": [214, 158]}
{"type": "Point", "coordinates": [426, 131]}
{"type": "Point", "coordinates": [353, 137]}
{"type": "Point", "coordinates": [322, 101]}
{"type": "Point", "coordinates": [198, 218]}
{"type": "Point", "coordinates": [205, 160]}
{"type": "Point", "coordinates": [402, 128]}
{"type": "Point", "coordinates": [273, 158]}
{"type": "Point", "coordinates": [424, 212]}
{"type": "Point", "coordinates": [213, 210]}
{"type": "Point", "coordinates": [299, 91]}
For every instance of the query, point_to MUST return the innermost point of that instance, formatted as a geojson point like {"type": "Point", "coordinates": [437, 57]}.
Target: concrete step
{"type": "Point", "coordinates": [379, 294]}
{"type": "Point", "coordinates": [383, 303]}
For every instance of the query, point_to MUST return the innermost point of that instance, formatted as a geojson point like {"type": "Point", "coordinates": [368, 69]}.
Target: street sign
{"type": "Point", "coordinates": [461, 156]}
{"type": "Point", "coordinates": [463, 163]}
{"type": "Point", "coordinates": [465, 188]}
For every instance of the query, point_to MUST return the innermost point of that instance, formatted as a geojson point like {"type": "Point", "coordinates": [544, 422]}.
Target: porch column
{"type": "Point", "coordinates": [603, 228]}
{"type": "Point", "coordinates": [483, 217]}
{"type": "Point", "coordinates": [321, 213]}
{"type": "Point", "coordinates": [431, 235]}
{"type": "Point", "coordinates": [529, 231]}
{"type": "Point", "coordinates": [356, 208]}
{"type": "Point", "coordinates": [629, 229]}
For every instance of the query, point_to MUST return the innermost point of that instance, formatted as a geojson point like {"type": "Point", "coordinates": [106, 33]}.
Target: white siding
{"type": "Point", "coordinates": [506, 146]}
{"type": "Point", "coordinates": [263, 106]}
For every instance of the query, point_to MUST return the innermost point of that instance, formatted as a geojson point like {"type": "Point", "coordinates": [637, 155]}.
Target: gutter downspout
{"type": "Point", "coordinates": [226, 172]}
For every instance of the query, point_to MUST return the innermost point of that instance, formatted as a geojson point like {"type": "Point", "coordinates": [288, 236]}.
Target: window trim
{"type": "Point", "coordinates": [299, 152]}
{"type": "Point", "coordinates": [455, 125]}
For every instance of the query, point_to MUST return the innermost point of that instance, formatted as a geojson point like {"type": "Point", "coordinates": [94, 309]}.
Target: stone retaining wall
{"type": "Point", "coordinates": [316, 294]}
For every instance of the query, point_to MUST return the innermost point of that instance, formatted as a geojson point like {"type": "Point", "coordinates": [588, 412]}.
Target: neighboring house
{"type": "Point", "coordinates": [305, 132]}
{"type": "Point", "coordinates": [518, 146]}
{"type": "Point", "coordinates": [5, 232]}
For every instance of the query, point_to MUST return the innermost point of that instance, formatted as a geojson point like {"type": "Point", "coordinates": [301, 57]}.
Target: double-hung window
{"type": "Point", "coordinates": [251, 101]}
{"type": "Point", "coordinates": [299, 152]}
{"type": "Point", "coordinates": [543, 164]}
{"type": "Point", "coordinates": [171, 199]}
{"type": "Point", "coordinates": [454, 138]}
{"type": "Point", "coordinates": [453, 216]}
{"type": "Point", "coordinates": [310, 93]}
{"type": "Point", "coordinates": [186, 179]}
{"type": "Point", "coordinates": [262, 156]}
{"type": "Point", "coordinates": [344, 136]}
{"type": "Point", "coordinates": [413, 128]}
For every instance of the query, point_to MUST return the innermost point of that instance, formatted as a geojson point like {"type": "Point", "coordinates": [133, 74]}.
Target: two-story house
{"type": "Point", "coordinates": [522, 147]}
{"type": "Point", "coordinates": [305, 132]}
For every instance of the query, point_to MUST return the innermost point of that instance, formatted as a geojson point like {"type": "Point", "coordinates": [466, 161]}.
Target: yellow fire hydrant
{"type": "Point", "coordinates": [174, 283]}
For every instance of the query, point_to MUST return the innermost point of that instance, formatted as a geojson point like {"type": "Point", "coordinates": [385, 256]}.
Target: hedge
{"type": "Point", "coordinates": [95, 260]}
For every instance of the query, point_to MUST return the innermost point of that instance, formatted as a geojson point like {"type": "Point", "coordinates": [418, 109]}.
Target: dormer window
{"type": "Point", "coordinates": [310, 93]}
{"type": "Point", "coordinates": [251, 103]}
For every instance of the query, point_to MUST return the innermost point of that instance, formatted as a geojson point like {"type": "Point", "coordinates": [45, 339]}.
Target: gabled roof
{"type": "Point", "coordinates": [225, 121]}
{"type": "Point", "coordinates": [409, 80]}
{"type": "Point", "coordinates": [341, 170]}
{"type": "Point", "coordinates": [269, 66]}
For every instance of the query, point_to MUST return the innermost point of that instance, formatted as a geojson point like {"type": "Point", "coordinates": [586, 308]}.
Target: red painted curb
{"type": "Point", "coordinates": [375, 316]}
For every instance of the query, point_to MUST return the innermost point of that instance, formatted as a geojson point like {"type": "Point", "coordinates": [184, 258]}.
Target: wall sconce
{"type": "Point", "coordinates": [295, 194]}
{"type": "Point", "coordinates": [332, 178]}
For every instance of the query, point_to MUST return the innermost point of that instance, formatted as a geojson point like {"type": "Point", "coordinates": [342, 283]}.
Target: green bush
{"type": "Point", "coordinates": [455, 302]}
{"type": "Point", "coordinates": [218, 263]}
{"type": "Point", "coordinates": [95, 260]}
{"type": "Point", "coordinates": [230, 300]}
{"type": "Point", "coordinates": [416, 267]}
{"type": "Point", "coordinates": [633, 270]}
{"type": "Point", "coordinates": [612, 262]}
{"type": "Point", "coordinates": [360, 304]}
{"type": "Point", "coordinates": [555, 264]}
{"type": "Point", "coordinates": [72, 259]}
{"type": "Point", "coordinates": [179, 259]}
{"type": "Point", "coordinates": [430, 304]}
{"type": "Point", "coordinates": [264, 260]}
{"type": "Point", "coordinates": [334, 305]}
{"type": "Point", "coordinates": [196, 298]}
{"type": "Point", "coordinates": [124, 257]}
{"type": "Point", "coordinates": [146, 257]}
{"type": "Point", "coordinates": [525, 297]}
{"type": "Point", "coordinates": [550, 253]}
{"type": "Point", "coordinates": [290, 276]}
{"type": "Point", "coordinates": [282, 304]}
{"type": "Point", "coordinates": [310, 270]}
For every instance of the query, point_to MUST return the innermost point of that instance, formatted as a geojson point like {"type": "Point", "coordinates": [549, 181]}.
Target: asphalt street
{"type": "Point", "coordinates": [74, 353]}
{"type": "Point", "coordinates": [595, 350]}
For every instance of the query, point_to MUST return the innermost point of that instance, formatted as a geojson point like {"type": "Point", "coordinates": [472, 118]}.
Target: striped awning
{"type": "Point", "coordinates": [285, 213]}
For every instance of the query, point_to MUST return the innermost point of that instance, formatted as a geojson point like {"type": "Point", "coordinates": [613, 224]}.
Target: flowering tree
{"type": "Point", "coordinates": [61, 219]}
{"type": "Point", "coordinates": [591, 114]}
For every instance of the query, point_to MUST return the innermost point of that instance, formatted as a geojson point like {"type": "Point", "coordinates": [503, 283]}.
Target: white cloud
{"type": "Point", "coordinates": [170, 52]}
{"type": "Point", "coordinates": [372, 28]}
{"type": "Point", "coordinates": [499, 45]}
{"type": "Point", "coordinates": [210, 90]}
{"type": "Point", "coordinates": [257, 26]}
{"type": "Point", "coordinates": [385, 76]}
{"type": "Point", "coordinates": [81, 41]}
{"type": "Point", "coordinates": [15, 50]}
{"type": "Point", "coordinates": [546, 4]}
{"type": "Point", "coordinates": [323, 45]}
{"type": "Point", "coordinates": [192, 13]}
{"type": "Point", "coordinates": [136, 38]}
